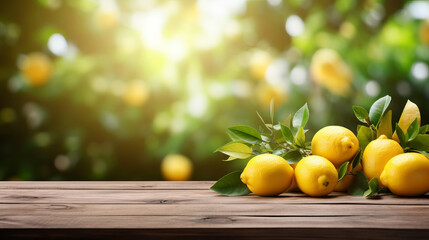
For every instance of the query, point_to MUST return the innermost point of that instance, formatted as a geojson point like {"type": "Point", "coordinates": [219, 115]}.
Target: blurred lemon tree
{"type": "Point", "coordinates": [96, 90]}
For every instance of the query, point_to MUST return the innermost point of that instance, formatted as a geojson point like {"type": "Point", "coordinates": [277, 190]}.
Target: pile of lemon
{"type": "Point", "coordinates": [404, 174]}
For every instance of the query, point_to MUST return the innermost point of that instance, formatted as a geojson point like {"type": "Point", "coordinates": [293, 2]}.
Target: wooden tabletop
{"type": "Point", "coordinates": [189, 210]}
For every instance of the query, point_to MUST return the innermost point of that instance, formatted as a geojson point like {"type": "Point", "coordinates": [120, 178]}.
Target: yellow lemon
{"type": "Point", "coordinates": [409, 114]}
{"type": "Point", "coordinates": [336, 143]}
{"type": "Point", "coordinates": [259, 62]}
{"type": "Point", "coordinates": [316, 176]}
{"type": "Point", "coordinates": [267, 175]}
{"type": "Point", "coordinates": [330, 71]}
{"type": "Point", "coordinates": [407, 174]}
{"type": "Point", "coordinates": [348, 179]}
{"type": "Point", "coordinates": [293, 186]}
{"type": "Point", "coordinates": [176, 167]}
{"type": "Point", "coordinates": [377, 153]}
{"type": "Point", "coordinates": [37, 68]}
{"type": "Point", "coordinates": [266, 92]}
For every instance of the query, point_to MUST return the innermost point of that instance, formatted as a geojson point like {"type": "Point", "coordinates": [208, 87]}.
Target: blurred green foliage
{"type": "Point", "coordinates": [124, 83]}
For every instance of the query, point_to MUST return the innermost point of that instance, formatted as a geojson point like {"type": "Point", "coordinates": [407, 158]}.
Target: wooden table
{"type": "Point", "coordinates": [189, 210]}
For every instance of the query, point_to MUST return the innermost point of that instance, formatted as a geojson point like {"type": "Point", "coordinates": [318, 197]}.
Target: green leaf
{"type": "Point", "coordinates": [272, 110]}
{"type": "Point", "coordinates": [236, 150]}
{"type": "Point", "coordinates": [413, 130]}
{"type": "Point", "coordinates": [401, 135]}
{"type": "Point", "coordinates": [257, 150]}
{"type": "Point", "coordinates": [287, 133]}
{"type": "Point", "coordinates": [300, 137]}
{"type": "Point", "coordinates": [231, 185]}
{"type": "Point", "coordinates": [378, 108]}
{"type": "Point", "coordinates": [422, 152]}
{"type": "Point", "coordinates": [357, 159]}
{"type": "Point", "coordinates": [373, 187]}
{"type": "Point", "coordinates": [265, 137]}
{"type": "Point", "coordinates": [288, 121]}
{"type": "Point", "coordinates": [364, 136]}
{"type": "Point", "coordinates": [293, 156]}
{"type": "Point", "coordinates": [233, 136]}
{"type": "Point", "coordinates": [361, 113]}
{"type": "Point", "coordinates": [342, 171]}
{"type": "Point", "coordinates": [424, 129]}
{"type": "Point", "coordinates": [279, 151]}
{"type": "Point", "coordinates": [276, 127]}
{"type": "Point", "coordinates": [421, 142]}
{"type": "Point", "coordinates": [230, 159]}
{"type": "Point", "coordinates": [246, 134]}
{"type": "Point", "coordinates": [359, 186]}
{"type": "Point", "coordinates": [385, 127]}
{"type": "Point", "coordinates": [300, 118]}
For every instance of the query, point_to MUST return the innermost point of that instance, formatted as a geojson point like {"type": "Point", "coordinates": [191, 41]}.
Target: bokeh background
{"type": "Point", "coordinates": [104, 90]}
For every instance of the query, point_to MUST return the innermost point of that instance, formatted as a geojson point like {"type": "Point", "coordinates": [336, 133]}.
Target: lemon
{"type": "Point", "coordinates": [377, 153]}
{"type": "Point", "coordinates": [293, 186]}
{"type": "Point", "coordinates": [266, 92]}
{"type": "Point", "coordinates": [259, 62]}
{"type": "Point", "coordinates": [37, 68]}
{"type": "Point", "coordinates": [336, 143]}
{"type": "Point", "coordinates": [348, 179]}
{"type": "Point", "coordinates": [267, 175]}
{"type": "Point", "coordinates": [176, 167]}
{"type": "Point", "coordinates": [316, 176]}
{"type": "Point", "coordinates": [330, 71]}
{"type": "Point", "coordinates": [407, 174]}
{"type": "Point", "coordinates": [409, 114]}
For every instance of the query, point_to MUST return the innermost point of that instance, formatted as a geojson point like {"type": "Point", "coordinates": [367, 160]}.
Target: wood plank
{"type": "Point", "coordinates": [215, 234]}
{"type": "Point", "coordinates": [214, 210]}
{"type": "Point", "coordinates": [60, 196]}
{"type": "Point", "coordinates": [203, 221]}
{"type": "Point", "coordinates": [110, 185]}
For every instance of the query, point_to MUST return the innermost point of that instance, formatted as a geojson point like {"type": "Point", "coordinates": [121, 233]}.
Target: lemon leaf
{"type": "Point", "coordinates": [236, 150]}
{"type": "Point", "coordinates": [287, 133]}
{"type": "Point", "coordinates": [246, 134]}
{"type": "Point", "coordinates": [364, 136]}
{"type": "Point", "coordinates": [361, 113]}
{"type": "Point", "coordinates": [373, 187]}
{"type": "Point", "coordinates": [231, 185]}
{"type": "Point", "coordinates": [424, 129]}
{"type": "Point", "coordinates": [413, 130]}
{"type": "Point", "coordinates": [357, 159]}
{"type": "Point", "coordinates": [359, 186]}
{"type": "Point", "coordinates": [301, 117]}
{"type": "Point", "coordinates": [401, 136]}
{"type": "Point", "coordinates": [293, 156]}
{"type": "Point", "coordinates": [422, 152]}
{"type": "Point", "coordinates": [300, 137]}
{"type": "Point", "coordinates": [385, 127]}
{"type": "Point", "coordinates": [230, 158]}
{"type": "Point", "coordinates": [421, 142]}
{"type": "Point", "coordinates": [377, 109]}
{"type": "Point", "coordinates": [342, 171]}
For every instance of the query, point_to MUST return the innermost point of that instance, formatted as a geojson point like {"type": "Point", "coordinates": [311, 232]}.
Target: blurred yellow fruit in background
{"type": "Point", "coordinates": [266, 92]}
{"type": "Point", "coordinates": [409, 114]}
{"type": "Point", "coordinates": [259, 62]}
{"type": "Point", "coordinates": [407, 174]}
{"type": "Point", "coordinates": [336, 143]}
{"type": "Point", "coordinates": [267, 175]}
{"type": "Point", "coordinates": [377, 153]}
{"type": "Point", "coordinates": [348, 179]}
{"type": "Point", "coordinates": [176, 167]}
{"type": "Point", "coordinates": [106, 19]}
{"type": "Point", "coordinates": [37, 68]}
{"type": "Point", "coordinates": [424, 32]}
{"type": "Point", "coordinates": [316, 176]}
{"type": "Point", "coordinates": [330, 71]}
{"type": "Point", "coordinates": [136, 94]}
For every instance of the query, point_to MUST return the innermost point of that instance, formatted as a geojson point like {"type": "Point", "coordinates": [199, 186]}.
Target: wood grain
{"type": "Point", "coordinates": [189, 210]}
